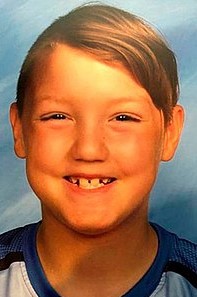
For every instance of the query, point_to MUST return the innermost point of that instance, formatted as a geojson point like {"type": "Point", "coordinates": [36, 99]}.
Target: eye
{"type": "Point", "coordinates": [55, 116]}
{"type": "Point", "coordinates": [126, 118]}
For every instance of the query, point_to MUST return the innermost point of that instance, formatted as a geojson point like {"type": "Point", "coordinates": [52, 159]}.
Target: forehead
{"type": "Point", "coordinates": [72, 72]}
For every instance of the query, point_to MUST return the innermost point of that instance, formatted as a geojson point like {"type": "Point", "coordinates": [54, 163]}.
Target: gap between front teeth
{"type": "Point", "coordinates": [90, 184]}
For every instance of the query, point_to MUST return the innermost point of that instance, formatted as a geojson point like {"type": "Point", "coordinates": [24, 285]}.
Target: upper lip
{"type": "Point", "coordinates": [89, 176]}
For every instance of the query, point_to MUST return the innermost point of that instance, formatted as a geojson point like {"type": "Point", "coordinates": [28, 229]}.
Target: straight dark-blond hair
{"type": "Point", "coordinates": [113, 36]}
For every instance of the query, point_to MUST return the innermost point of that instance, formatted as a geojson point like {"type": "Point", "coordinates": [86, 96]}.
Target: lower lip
{"type": "Point", "coordinates": [76, 189]}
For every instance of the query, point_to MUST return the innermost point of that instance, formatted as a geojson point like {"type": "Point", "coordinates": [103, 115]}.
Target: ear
{"type": "Point", "coordinates": [172, 133]}
{"type": "Point", "coordinates": [16, 124]}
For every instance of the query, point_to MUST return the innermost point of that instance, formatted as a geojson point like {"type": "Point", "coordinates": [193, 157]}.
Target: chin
{"type": "Point", "coordinates": [93, 228]}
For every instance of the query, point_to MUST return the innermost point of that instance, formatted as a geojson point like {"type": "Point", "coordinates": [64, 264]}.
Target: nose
{"type": "Point", "coordinates": [89, 144]}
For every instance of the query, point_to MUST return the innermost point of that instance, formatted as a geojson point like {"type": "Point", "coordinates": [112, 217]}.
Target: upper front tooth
{"type": "Point", "coordinates": [95, 182]}
{"type": "Point", "coordinates": [83, 182]}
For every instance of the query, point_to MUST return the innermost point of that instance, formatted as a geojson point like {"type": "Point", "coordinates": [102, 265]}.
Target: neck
{"type": "Point", "coordinates": [121, 256]}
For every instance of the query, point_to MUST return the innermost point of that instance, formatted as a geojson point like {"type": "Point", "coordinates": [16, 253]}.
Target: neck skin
{"type": "Point", "coordinates": [103, 265]}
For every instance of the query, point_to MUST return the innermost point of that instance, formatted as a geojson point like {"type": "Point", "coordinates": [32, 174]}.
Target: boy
{"type": "Point", "coordinates": [96, 112]}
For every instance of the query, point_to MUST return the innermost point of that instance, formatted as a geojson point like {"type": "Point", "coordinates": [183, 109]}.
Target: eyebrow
{"type": "Point", "coordinates": [114, 100]}
{"type": "Point", "coordinates": [129, 99]}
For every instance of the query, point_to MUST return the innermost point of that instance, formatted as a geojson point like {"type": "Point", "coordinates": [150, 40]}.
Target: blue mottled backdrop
{"type": "Point", "coordinates": [174, 199]}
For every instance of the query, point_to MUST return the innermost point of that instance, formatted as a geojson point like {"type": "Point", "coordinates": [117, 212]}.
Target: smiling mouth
{"type": "Point", "coordinates": [89, 184]}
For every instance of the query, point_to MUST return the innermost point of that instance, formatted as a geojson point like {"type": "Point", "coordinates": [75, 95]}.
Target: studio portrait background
{"type": "Point", "coordinates": [174, 198]}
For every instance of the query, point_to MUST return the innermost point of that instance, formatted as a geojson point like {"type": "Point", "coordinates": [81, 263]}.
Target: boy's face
{"type": "Point", "coordinates": [92, 140]}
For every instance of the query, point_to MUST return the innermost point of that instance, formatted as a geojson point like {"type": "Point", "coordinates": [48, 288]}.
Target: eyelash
{"type": "Point", "coordinates": [118, 118]}
{"type": "Point", "coordinates": [56, 116]}
{"type": "Point", "coordinates": [126, 118]}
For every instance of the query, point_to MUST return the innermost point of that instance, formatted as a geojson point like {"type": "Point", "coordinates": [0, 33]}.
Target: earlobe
{"type": "Point", "coordinates": [172, 133]}
{"type": "Point", "coordinates": [16, 124]}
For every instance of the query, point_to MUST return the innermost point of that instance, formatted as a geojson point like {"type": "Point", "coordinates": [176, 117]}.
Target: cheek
{"type": "Point", "coordinates": [139, 152]}
{"type": "Point", "coordinates": [46, 149]}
